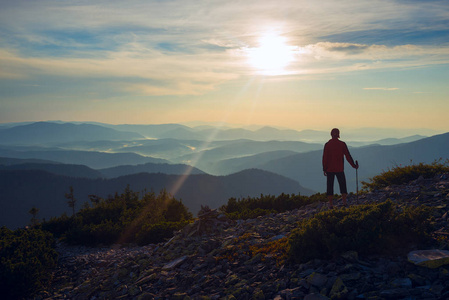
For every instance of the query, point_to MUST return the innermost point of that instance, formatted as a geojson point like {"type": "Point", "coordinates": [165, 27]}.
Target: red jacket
{"type": "Point", "coordinates": [333, 156]}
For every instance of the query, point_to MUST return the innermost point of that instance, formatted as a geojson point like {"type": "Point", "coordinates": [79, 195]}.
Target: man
{"type": "Point", "coordinates": [333, 165]}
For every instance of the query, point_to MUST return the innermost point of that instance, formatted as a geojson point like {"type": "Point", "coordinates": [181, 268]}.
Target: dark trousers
{"type": "Point", "coordinates": [341, 181]}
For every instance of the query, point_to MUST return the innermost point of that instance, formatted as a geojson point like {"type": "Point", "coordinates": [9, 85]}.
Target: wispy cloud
{"type": "Point", "coordinates": [381, 88]}
{"type": "Point", "coordinates": [191, 47]}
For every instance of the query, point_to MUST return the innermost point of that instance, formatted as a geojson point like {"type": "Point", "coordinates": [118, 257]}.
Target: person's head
{"type": "Point", "coordinates": [335, 133]}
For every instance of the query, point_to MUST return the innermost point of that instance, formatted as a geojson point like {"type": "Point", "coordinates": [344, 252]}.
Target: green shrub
{"type": "Point", "coordinates": [405, 174]}
{"type": "Point", "coordinates": [120, 219]}
{"type": "Point", "coordinates": [248, 208]}
{"type": "Point", "coordinates": [249, 213]}
{"type": "Point", "coordinates": [27, 258]}
{"type": "Point", "coordinates": [367, 229]}
{"type": "Point", "coordinates": [58, 226]}
{"type": "Point", "coordinates": [156, 233]}
{"type": "Point", "coordinates": [107, 233]}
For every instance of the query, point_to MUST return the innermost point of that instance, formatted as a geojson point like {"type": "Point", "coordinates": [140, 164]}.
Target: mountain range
{"type": "Point", "coordinates": [20, 190]}
{"type": "Point", "coordinates": [45, 133]}
{"type": "Point", "coordinates": [40, 161]}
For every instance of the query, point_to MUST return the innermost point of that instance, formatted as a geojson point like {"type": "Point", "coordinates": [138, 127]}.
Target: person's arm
{"type": "Point", "coordinates": [349, 158]}
{"type": "Point", "coordinates": [325, 160]}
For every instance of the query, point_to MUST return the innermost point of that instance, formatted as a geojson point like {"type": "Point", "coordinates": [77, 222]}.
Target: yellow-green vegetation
{"type": "Point", "coordinates": [124, 218]}
{"type": "Point", "coordinates": [368, 229]}
{"type": "Point", "coordinates": [27, 257]}
{"type": "Point", "coordinates": [404, 174]}
{"type": "Point", "coordinates": [249, 208]}
{"type": "Point", "coordinates": [277, 249]}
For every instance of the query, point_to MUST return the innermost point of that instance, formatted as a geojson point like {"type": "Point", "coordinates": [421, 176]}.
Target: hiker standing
{"type": "Point", "coordinates": [333, 165]}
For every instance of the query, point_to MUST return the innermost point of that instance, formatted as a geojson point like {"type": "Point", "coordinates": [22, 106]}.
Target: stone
{"type": "Point", "coordinates": [315, 296]}
{"type": "Point", "coordinates": [179, 296]}
{"type": "Point", "coordinates": [258, 294]}
{"type": "Point", "coordinates": [429, 258]}
{"type": "Point", "coordinates": [351, 276]}
{"type": "Point", "coordinates": [395, 293]}
{"type": "Point", "coordinates": [351, 256]}
{"type": "Point", "coordinates": [133, 291]}
{"type": "Point", "coordinates": [402, 282]}
{"type": "Point", "coordinates": [317, 279]}
{"type": "Point", "coordinates": [173, 264]}
{"type": "Point", "coordinates": [277, 237]}
{"type": "Point", "coordinates": [339, 290]}
{"type": "Point", "coordinates": [437, 289]}
{"type": "Point", "coordinates": [417, 280]}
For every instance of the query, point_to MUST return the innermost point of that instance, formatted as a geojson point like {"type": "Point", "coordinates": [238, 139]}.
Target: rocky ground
{"type": "Point", "coordinates": [211, 259]}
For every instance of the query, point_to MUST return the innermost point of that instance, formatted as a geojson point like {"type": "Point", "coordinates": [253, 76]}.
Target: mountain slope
{"type": "Point", "coordinates": [95, 160]}
{"type": "Point", "coordinates": [152, 130]}
{"type": "Point", "coordinates": [241, 148]}
{"type": "Point", "coordinates": [234, 165]}
{"type": "Point", "coordinates": [306, 168]}
{"type": "Point", "coordinates": [20, 190]}
{"type": "Point", "coordinates": [79, 171]}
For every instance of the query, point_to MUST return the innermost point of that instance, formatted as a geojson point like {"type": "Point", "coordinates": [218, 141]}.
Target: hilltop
{"type": "Point", "coordinates": [214, 258]}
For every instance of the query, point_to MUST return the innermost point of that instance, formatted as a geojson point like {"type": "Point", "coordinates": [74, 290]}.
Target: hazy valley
{"type": "Point", "coordinates": [202, 165]}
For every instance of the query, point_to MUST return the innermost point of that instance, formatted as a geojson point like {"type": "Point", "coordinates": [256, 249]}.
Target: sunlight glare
{"type": "Point", "coordinates": [272, 56]}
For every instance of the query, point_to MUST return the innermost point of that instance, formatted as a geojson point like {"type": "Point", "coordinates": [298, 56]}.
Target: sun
{"type": "Point", "coordinates": [272, 55]}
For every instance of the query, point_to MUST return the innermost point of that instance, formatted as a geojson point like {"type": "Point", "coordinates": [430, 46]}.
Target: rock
{"type": "Point", "coordinates": [277, 237]}
{"type": "Point", "coordinates": [351, 256]}
{"type": "Point", "coordinates": [395, 293]}
{"type": "Point", "coordinates": [339, 290]}
{"type": "Point", "coordinates": [429, 258]}
{"type": "Point", "coordinates": [318, 280]}
{"type": "Point", "coordinates": [133, 291]}
{"type": "Point", "coordinates": [315, 296]}
{"type": "Point", "coordinates": [437, 289]}
{"type": "Point", "coordinates": [175, 263]}
{"type": "Point", "coordinates": [258, 294]}
{"type": "Point", "coordinates": [417, 280]}
{"type": "Point", "coordinates": [402, 282]}
{"type": "Point", "coordinates": [351, 276]}
{"type": "Point", "coordinates": [179, 296]}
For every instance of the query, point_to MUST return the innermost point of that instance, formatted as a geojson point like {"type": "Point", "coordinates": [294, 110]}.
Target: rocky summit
{"type": "Point", "coordinates": [212, 258]}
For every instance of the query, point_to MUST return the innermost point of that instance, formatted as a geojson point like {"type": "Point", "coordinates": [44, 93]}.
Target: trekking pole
{"type": "Point", "coordinates": [357, 180]}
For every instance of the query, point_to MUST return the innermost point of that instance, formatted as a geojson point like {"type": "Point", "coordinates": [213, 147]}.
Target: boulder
{"type": "Point", "coordinates": [429, 258]}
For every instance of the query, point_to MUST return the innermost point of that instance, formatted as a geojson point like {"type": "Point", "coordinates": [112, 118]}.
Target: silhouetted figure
{"type": "Point", "coordinates": [333, 165]}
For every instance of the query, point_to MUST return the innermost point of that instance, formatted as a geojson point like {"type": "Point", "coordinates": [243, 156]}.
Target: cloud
{"type": "Point", "coordinates": [191, 47]}
{"type": "Point", "coordinates": [381, 88]}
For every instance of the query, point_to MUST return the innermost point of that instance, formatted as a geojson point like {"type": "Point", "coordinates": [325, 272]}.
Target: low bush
{"type": "Point", "coordinates": [124, 218]}
{"type": "Point", "coordinates": [368, 229]}
{"type": "Point", "coordinates": [249, 208]}
{"type": "Point", "coordinates": [155, 233]}
{"type": "Point", "coordinates": [404, 174]}
{"type": "Point", "coordinates": [27, 258]}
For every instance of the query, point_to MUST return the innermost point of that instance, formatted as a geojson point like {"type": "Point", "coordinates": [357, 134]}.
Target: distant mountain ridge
{"type": "Point", "coordinates": [169, 169]}
{"type": "Point", "coordinates": [388, 141]}
{"type": "Point", "coordinates": [82, 171]}
{"type": "Point", "coordinates": [57, 130]}
{"type": "Point", "coordinates": [44, 133]}
{"type": "Point", "coordinates": [78, 171]}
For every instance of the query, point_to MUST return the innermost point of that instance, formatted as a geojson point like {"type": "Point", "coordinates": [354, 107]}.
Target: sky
{"type": "Point", "coordinates": [287, 63]}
